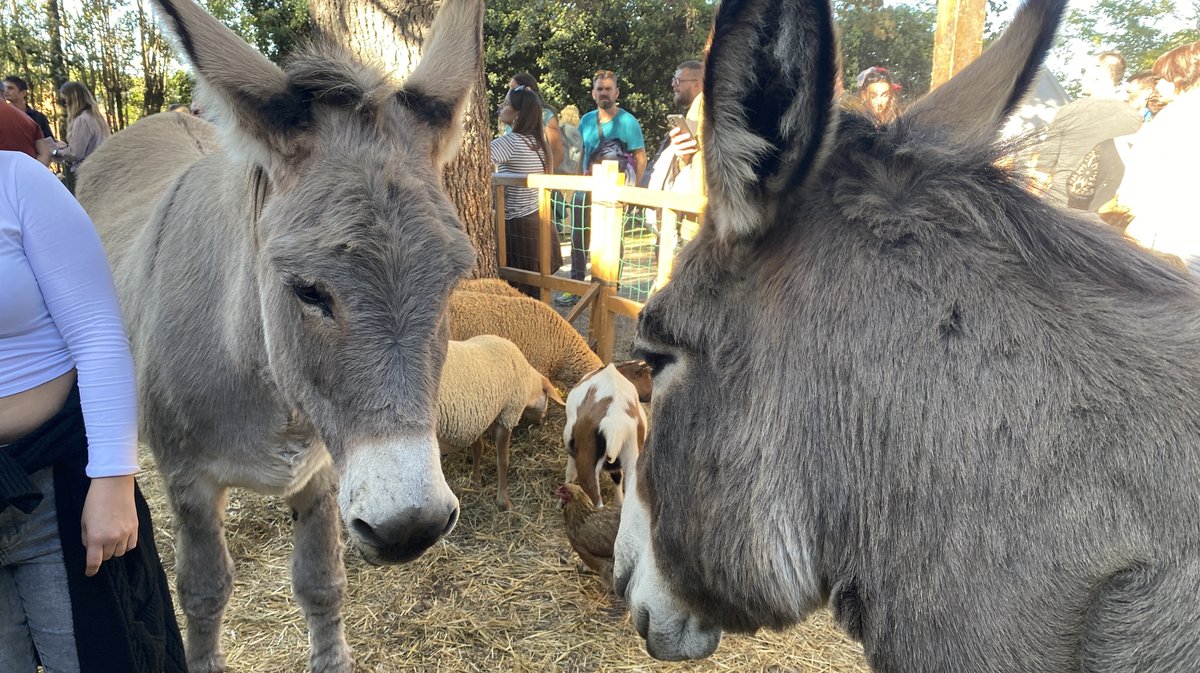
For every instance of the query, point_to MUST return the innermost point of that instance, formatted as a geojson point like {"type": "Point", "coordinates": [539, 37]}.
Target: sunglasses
{"type": "Point", "coordinates": [604, 74]}
{"type": "Point", "coordinates": [675, 81]}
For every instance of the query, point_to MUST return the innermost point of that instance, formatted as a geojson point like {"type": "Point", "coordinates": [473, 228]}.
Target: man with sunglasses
{"type": "Point", "coordinates": [679, 166]}
{"type": "Point", "coordinates": [679, 147]}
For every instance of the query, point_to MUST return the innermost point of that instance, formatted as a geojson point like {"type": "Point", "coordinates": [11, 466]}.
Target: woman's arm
{"type": "Point", "coordinates": [67, 259]}
{"type": "Point", "coordinates": [555, 140]}
{"type": "Point", "coordinates": [80, 138]}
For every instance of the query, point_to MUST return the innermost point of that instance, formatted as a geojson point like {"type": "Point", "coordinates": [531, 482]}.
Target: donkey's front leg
{"type": "Point", "coordinates": [203, 567]}
{"type": "Point", "coordinates": [318, 575]}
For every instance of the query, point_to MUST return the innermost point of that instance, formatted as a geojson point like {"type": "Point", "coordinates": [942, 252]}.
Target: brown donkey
{"type": "Point", "coordinates": [285, 290]}
{"type": "Point", "coordinates": [889, 380]}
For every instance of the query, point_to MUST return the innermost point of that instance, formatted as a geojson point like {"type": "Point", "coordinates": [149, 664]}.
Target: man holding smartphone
{"type": "Point", "coordinates": [677, 167]}
{"type": "Point", "coordinates": [680, 163]}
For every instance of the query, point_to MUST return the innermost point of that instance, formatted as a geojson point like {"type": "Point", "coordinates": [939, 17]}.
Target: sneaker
{"type": "Point", "coordinates": [566, 299]}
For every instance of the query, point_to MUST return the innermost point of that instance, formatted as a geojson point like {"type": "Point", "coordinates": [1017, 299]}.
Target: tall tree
{"type": "Point", "coordinates": [154, 54]}
{"type": "Point", "coordinates": [391, 32]}
{"type": "Point", "coordinates": [58, 59]}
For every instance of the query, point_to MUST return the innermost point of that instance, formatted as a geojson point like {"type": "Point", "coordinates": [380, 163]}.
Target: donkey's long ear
{"type": "Point", "coordinates": [972, 106]}
{"type": "Point", "coordinates": [769, 111]}
{"type": "Point", "coordinates": [244, 90]}
{"type": "Point", "coordinates": [439, 89]}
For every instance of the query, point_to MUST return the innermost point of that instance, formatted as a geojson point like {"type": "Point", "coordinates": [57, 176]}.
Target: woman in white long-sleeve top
{"type": "Point", "coordinates": [81, 585]}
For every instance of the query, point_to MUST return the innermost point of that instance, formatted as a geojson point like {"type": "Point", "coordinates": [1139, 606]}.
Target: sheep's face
{"type": "Point", "coordinates": [539, 401]}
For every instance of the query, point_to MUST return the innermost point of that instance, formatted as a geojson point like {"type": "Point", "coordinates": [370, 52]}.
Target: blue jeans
{"type": "Point", "coordinates": [35, 608]}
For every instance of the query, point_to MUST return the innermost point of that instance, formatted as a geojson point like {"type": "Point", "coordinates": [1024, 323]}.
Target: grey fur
{"type": "Point", "coordinates": [964, 419]}
{"type": "Point", "coordinates": [286, 297]}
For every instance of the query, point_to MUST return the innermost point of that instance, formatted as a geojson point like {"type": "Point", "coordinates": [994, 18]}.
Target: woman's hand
{"type": "Point", "coordinates": [110, 523]}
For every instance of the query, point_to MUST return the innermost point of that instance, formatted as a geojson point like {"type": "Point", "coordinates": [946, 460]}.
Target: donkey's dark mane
{"type": "Point", "coordinates": [973, 188]}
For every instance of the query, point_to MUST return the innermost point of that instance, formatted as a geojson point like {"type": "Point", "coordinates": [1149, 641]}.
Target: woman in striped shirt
{"type": "Point", "coordinates": [523, 151]}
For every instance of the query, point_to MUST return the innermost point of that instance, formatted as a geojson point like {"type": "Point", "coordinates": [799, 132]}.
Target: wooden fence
{"type": "Point", "coordinates": [609, 200]}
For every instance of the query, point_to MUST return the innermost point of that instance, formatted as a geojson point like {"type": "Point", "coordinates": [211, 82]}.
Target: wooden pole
{"type": "Point", "coordinates": [607, 224]}
{"type": "Point", "coordinates": [959, 37]}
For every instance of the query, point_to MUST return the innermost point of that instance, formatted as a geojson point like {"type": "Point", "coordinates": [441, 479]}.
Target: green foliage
{"type": "Point", "coordinates": [1141, 30]}
{"type": "Point", "coordinates": [564, 43]}
{"type": "Point", "coordinates": [898, 37]}
{"type": "Point", "coordinates": [275, 27]}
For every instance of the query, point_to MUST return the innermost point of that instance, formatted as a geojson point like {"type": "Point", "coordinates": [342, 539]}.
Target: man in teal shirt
{"type": "Point", "coordinates": [614, 124]}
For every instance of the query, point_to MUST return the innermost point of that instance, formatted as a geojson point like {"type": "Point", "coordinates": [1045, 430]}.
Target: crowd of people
{"type": "Point", "coordinates": [532, 136]}
{"type": "Point", "coordinates": [1117, 151]}
{"type": "Point", "coordinates": [29, 132]}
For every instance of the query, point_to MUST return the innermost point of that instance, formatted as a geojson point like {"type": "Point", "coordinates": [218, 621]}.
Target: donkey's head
{"type": "Point", "coordinates": [841, 267]}
{"type": "Point", "coordinates": [356, 249]}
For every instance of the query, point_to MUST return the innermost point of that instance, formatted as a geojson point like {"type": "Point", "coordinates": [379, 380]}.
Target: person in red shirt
{"type": "Point", "coordinates": [19, 133]}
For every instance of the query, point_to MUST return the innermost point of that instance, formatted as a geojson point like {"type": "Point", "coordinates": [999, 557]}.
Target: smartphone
{"type": "Point", "coordinates": [682, 123]}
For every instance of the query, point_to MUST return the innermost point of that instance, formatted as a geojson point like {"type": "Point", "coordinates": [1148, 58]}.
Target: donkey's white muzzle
{"type": "Point", "coordinates": [671, 631]}
{"type": "Point", "coordinates": [395, 500]}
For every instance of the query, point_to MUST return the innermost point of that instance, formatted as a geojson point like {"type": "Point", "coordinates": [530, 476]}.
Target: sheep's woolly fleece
{"type": "Point", "coordinates": [546, 339]}
{"type": "Point", "coordinates": [485, 380]}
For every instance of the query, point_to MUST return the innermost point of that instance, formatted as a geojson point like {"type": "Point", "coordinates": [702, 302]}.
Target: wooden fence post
{"type": "Point", "coordinates": [958, 39]}
{"type": "Point", "coordinates": [607, 225]}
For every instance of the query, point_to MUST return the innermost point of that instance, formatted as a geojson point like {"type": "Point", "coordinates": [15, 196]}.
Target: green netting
{"type": "Point", "coordinates": [639, 255]}
{"type": "Point", "coordinates": [570, 217]}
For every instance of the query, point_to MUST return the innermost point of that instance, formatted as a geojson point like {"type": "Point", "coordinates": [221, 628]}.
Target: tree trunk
{"type": "Point", "coordinates": [154, 57]}
{"type": "Point", "coordinates": [58, 60]}
{"type": "Point", "coordinates": [396, 42]}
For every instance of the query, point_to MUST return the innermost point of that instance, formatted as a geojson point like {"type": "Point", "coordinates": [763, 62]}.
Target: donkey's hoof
{"type": "Point", "coordinates": [333, 662]}
{"type": "Point", "coordinates": [213, 663]}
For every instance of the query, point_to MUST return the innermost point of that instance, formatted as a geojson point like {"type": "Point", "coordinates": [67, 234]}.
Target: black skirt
{"type": "Point", "coordinates": [123, 618]}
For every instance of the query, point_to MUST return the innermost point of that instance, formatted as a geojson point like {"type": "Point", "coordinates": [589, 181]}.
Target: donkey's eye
{"type": "Point", "coordinates": [310, 295]}
{"type": "Point", "coordinates": [657, 361]}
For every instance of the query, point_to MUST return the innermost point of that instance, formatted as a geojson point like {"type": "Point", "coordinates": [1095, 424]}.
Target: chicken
{"type": "Point", "coordinates": [590, 531]}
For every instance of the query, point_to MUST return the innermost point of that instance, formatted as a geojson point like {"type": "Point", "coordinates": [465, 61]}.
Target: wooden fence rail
{"type": "Point", "coordinates": [609, 200]}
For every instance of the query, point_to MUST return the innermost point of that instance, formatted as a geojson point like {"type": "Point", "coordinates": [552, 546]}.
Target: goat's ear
{"type": "Point", "coordinates": [248, 94]}
{"type": "Point", "coordinates": [769, 110]}
{"type": "Point", "coordinates": [973, 105]}
{"type": "Point", "coordinates": [439, 88]}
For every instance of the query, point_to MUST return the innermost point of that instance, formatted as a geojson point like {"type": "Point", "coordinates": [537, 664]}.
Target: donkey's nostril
{"type": "Point", "coordinates": [451, 521]}
{"type": "Point", "coordinates": [367, 533]}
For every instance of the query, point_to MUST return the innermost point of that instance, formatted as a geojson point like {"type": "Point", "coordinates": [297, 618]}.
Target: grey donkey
{"type": "Point", "coordinates": [284, 278]}
{"type": "Point", "coordinates": [890, 381]}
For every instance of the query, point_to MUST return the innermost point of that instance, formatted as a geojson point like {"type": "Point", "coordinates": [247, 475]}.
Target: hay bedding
{"type": "Point", "coordinates": [503, 593]}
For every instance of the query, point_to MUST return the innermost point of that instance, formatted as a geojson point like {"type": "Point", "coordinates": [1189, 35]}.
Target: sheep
{"type": "Point", "coordinates": [605, 430]}
{"type": "Point", "coordinates": [548, 341]}
{"type": "Point", "coordinates": [488, 286]}
{"type": "Point", "coordinates": [487, 384]}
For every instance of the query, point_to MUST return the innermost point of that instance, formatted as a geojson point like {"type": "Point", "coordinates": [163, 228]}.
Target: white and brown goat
{"type": "Point", "coordinates": [605, 429]}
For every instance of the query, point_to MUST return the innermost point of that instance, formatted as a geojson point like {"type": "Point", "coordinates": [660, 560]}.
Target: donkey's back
{"type": "Point", "coordinates": [123, 183]}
